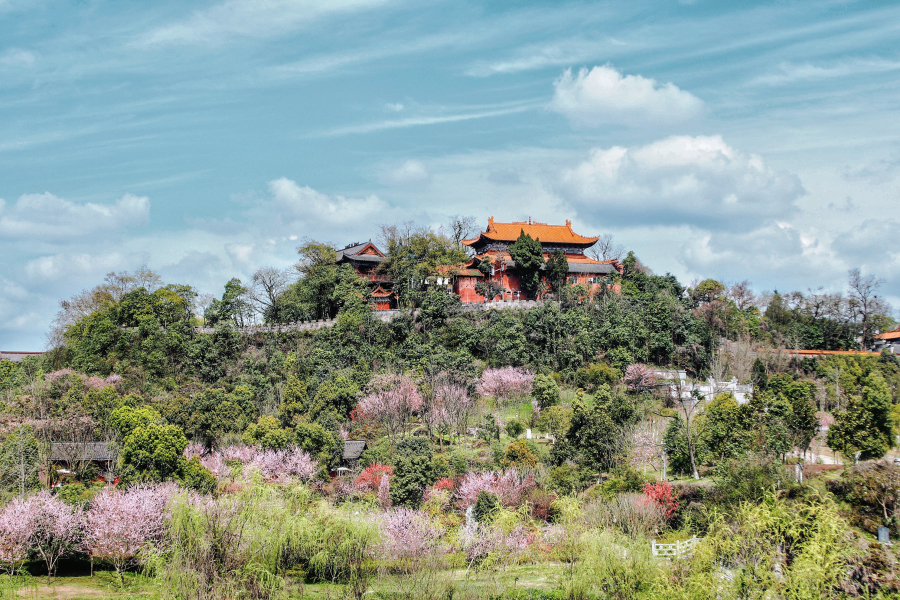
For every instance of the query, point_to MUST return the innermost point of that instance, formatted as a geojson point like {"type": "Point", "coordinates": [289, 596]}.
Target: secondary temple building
{"type": "Point", "coordinates": [491, 263]}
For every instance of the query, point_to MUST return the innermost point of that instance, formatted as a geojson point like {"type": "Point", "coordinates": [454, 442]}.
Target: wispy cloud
{"type": "Point", "coordinates": [17, 56]}
{"type": "Point", "coordinates": [552, 55]}
{"type": "Point", "coordinates": [423, 120]}
{"type": "Point", "coordinates": [248, 18]}
{"type": "Point", "coordinates": [790, 73]}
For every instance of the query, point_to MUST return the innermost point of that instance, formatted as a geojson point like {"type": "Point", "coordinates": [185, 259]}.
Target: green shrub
{"type": "Point", "coordinates": [487, 505]}
{"type": "Point", "coordinates": [514, 429]}
{"type": "Point", "coordinates": [545, 390]}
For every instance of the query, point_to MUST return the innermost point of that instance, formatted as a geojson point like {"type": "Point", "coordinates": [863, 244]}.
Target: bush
{"type": "Point", "coordinates": [873, 492]}
{"type": "Point", "coordinates": [486, 507]}
{"type": "Point", "coordinates": [748, 480]}
{"type": "Point", "coordinates": [518, 454]}
{"type": "Point", "coordinates": [594, 375]}
{"type": "Point", "coordinates": [412, 475]}
{"type": "Point", "coordinates": [514, 429]}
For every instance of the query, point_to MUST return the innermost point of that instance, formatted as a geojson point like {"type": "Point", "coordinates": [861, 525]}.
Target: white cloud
{"type": "Point", "coordinates": [790, 72]}
{"type": "Point", "coordinates": [561, 53]}
{"type": "Point", "coordinates": [248, 18]}
{"type": "Point", "coordinates": [681, 180]}
{"type": "Point", "coordinates": [394, 107]}
{"type": "Point", "coordinates": [301, 204]}
{"type": "Point", "coordinates": [603, 95]}
{"type": "Point", "coordinates": [17, 56]}
{"type": "Point", "coordinates": [45, 217]}
{"type": "Point", "coordinates": [410, 172]}
{"type": "Point", "coordinates": [424, 120]}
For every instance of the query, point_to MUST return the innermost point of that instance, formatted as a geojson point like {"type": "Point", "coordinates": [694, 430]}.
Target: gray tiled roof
{"type": "Point", "coordinates": [353, 449]}
{"type": "Point", "coordinates": [63, 451]}
{"type": "Point", "coordinates": [602, 269]}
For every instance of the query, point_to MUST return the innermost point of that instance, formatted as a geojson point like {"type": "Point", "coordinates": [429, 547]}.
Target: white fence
{"type": "Point", "coordinates": [675, 550]}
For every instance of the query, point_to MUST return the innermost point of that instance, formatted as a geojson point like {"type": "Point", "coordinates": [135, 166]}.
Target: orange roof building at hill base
{"type": "Point", "coordinates": [889, 340]}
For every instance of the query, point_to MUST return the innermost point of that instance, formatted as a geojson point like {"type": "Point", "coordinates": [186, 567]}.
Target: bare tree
{"type": "Point", "coordinates": [267, 284]}
{"type": "Point", "coordinates": [605, 249]}
{"type": "Point", "coordinates": [462, 228]}
{"type": "Point", "coordinates": [864, 302]}
{"type": "Point", "coordinates": [741, 294]}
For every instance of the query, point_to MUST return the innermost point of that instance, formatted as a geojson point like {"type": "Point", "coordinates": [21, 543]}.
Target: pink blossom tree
{"type": "Point", "coordinates": [407, 536]}
{"type": "Point", "coordinates": [395, 398]}
{"type": "Point", "coordinates": [505, 385]}
{"type": "Point", "coordinates": [509, 486]}
{"type": "Point", "coordinates": [56, 528]}
{"type": "Point", "coordinates": [120, 525]}
{"type": "Point", "coordinates": [481, 542]}
{"type": "Point", "coordinates": [639, 377]}
{"type": "Point", "coordinates": [384, 492]}
{"type": "Point", "coordinates": [16, 528]}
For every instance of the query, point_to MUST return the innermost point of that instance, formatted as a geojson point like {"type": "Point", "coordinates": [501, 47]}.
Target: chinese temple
{"type": "Point", "coordinates": [491, 263]}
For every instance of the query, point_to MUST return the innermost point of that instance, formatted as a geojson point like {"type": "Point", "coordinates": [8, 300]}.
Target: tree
{"type": "Point", "coordinates": [529, 257]}
{"type": "Point", "coordinates": [268, 284]}
{"type": "Point", "coordinates": [266, 433]}
{"type": "Point", "coordinates": [151, 452]}
{"type": "Point", "coordinates": [21, 460]}
{"type": "Point", "coordinates": [56, 528]}
{"type": "Point", "coordinates": [16, 529]}
{"type": "Point", "coordinates": [866, 304]}
{"type": "Point", "coordinates": [234, 307]}
{"type": "Point", "coordinates": [412, 475]}
{"type": "Point", "coordinates": [504, 385]}
{"type": "Point", "coordinates": [545, 390]}
{"type": "Point", "coordinates": [640, 378]}
{"type": "Point", "coordinates": [119, 525]}
{"type": "Point", "coordinates": [393, 401]}
{"type": "Point", "coordinates": [604, 249]}
{"type": "Point", "coordinates": [557, 270]}
{"type": "Point", "coordinates": [865, 427]}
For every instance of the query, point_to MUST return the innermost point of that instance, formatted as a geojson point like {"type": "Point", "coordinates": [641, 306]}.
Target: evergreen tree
{"type": "Point", "coordinates": [529, 257]}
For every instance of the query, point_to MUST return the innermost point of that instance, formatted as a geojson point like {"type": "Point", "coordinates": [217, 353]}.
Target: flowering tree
{"type": "Point", "coordinates": [16, 528]}
{"type": "Point", "coordinates": [639, 377]}
{"type": "Point", "coordinates": [482, 542]}
{"type": "Point", "coordinates": [507, 485]}
{"type": "Point", "coordinates": [394, 400]}
{"type": "Point", "coordinates": [56, 528]}
{"type": "Point", "coordinates": [119, 525]}
{"type": "Point", "coordinates": [662, 494]}
{"type": "Point", "coordinates": [407, 536]}
{"type": "Point", "coordinates": [505, 385]}
{"type": "Point", "coordinates": [370, 478]}
{"type": "Point", "coordinates": [447, 407]}
{"type": "Point", "coordinates": [290, 462]}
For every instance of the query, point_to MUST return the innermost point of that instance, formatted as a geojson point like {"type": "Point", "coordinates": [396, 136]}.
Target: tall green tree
{"type": "Point", "coordinates": [865, 427]}
{"type": "Point", "coordinates": [528, 255]}
{"type": "Point", "coordinates": [557, 270]}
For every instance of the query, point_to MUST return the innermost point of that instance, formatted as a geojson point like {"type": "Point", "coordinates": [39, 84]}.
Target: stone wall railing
{"type": "Point", "coordinates": [385, 316]}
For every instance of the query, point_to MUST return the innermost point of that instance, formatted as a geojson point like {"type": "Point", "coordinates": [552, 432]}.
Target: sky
{"type": "Point", "coordinates": [714, 138]}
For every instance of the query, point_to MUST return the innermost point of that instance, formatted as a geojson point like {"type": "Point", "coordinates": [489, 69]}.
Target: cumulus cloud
{"type": "Point", "coordinates": [248, 18]}
{"type": "Point", "coordinates": [603, 95]}
{"type": "Point", "coordinates": [409, 173]}
{"type": "Point", "coordinates": [293, 202]}
{"type": "Point", "coordinates": [700, 181]}
{"type": "Point", "coordinates": [46, 217]}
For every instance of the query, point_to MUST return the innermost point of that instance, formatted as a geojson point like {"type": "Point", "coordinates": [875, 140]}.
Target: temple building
{"type": "Point", "coordinates": [365, 259]}
{"type": "Point", "coordinates": [493, 263]}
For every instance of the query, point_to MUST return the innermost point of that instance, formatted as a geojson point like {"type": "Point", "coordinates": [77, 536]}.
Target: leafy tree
{"type": "Point", "coordinates": [267, 434]}
{"type": "Point", "coordinates": [20, 460]}
{"type": "Point", "coordinates": [528, 255]}
{"type": "Point", "coordinates": [151, 452]}
{"type": "Point", "coordinates": [865, 427]}
{"type": "Point", "coordinates": [487, 505]}
{"type": "Point", "coordinates": [412, 475]}
{"type": "Point", "coordinates": [725, 433]}
{"type": "Point", "coordinates": [557, 270]}
{"type": "Point", "coordinates": [234, 306]}
{"type": "Point", "coordinates": [322, 444]}
{"type": "Point", "coordinates": [519, 454]}
{"type": "Point", "coordinates": [545, 390]}
{"type": "Point", "coordinates": [294, 400]}
{"type": "Point", "coordinates": [126, 419]}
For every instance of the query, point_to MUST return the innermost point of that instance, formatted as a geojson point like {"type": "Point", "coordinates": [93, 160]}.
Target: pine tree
{"type": "Point", "coordinates": [529, 257]}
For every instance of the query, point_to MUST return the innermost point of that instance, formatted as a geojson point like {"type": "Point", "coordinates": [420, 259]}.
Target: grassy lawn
{"type": "Point", "coordinates": [474, 584]}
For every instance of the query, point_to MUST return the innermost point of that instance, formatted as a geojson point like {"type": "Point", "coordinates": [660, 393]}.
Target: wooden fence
{"type": "Point", "coordinates": [675, 550]}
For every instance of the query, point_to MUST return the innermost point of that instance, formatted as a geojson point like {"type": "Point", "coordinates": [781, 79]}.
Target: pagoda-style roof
{"type": "Point", "coordinates": [889, 335]}
{"type": "Point", "coordinates": [547, 234]}
{"type": "Point", "coordinates": [365, 252]}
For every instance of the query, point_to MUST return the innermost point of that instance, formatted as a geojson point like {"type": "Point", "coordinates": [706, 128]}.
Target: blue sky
{"type": "Point", "coordinates": [732, 140]}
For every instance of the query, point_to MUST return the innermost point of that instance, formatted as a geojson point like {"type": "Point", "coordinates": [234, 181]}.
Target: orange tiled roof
{"type": "Point", "coordinates": [889, 335]}
{"type": "Point", "coordinates": [548, 234]}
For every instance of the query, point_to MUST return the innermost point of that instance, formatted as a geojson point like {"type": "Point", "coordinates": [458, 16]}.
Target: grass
{"type": "Point", "coordinates": [104, 584]}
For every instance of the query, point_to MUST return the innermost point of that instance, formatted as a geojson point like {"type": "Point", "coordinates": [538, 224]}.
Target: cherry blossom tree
{"type": "Point", "coordinates": [480, 542]}
{"type": "Point", "coordinates": [407, 536]}
{"type": "Point", "coordinates": [509, 486]}
{"type": "Point", "coordinates": [505, 385]}
{"type": "Point", "coordinates": [56, 528]}
{"type": "Point", "coordinates": [16, 528]}
{"type": "Point", "coordinates": [384, 492]}
{"type": "Point", "coordinates": [639, 377]}
{"type": "Point", "coordinates": [394, 400]}
{"type": "Point", "coordinates": [274, 464]}
{"type": "Point", "coordinates": [118, 525]}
